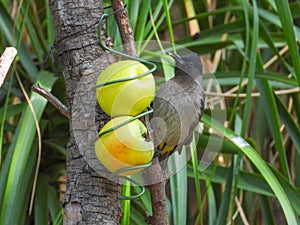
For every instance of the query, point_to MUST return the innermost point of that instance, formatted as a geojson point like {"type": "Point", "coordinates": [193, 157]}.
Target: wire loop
{"type": "Point", "coordinates": [131, 168]}
{"type": "Point", "coordinates": [126, 122]}
{"type": "Point", "coordinates": [104, 46]}
{"type": "Point", "coordinates": [150, 110]}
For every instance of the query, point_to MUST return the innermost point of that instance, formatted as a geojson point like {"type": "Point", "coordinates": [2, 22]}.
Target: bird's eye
{"type": "Point", "coordinates": [190, 64]}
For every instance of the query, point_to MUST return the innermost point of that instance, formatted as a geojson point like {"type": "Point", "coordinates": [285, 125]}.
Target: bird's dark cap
{"type": "Point", "coordinates": [178, 58]}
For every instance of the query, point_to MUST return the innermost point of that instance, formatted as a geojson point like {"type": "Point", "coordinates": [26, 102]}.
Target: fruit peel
{"type": "Point", "coordinates": [128, 97]}
{"type": "Point", "coordinates": [125, 146]}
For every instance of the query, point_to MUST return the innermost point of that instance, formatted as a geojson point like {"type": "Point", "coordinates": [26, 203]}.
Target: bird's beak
{"type": "Point", "coordinates": [176, 57]}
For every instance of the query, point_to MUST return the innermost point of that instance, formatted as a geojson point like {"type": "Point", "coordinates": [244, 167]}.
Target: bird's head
{"type": "Point", "coordinates": [190, 64]}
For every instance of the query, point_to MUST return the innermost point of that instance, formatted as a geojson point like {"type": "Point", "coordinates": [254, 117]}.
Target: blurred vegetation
{"type": "Point", "coordinates": [251, 48]}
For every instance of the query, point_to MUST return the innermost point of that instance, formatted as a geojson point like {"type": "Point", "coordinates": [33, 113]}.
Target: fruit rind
{"type": "Point", "coordinates": [129, 97]}
{"type": "Point", "coordinates": [124, 147]}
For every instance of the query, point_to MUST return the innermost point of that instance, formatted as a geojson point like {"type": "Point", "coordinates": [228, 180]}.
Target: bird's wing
{"type": "Point", "coordinates": [199, 113]}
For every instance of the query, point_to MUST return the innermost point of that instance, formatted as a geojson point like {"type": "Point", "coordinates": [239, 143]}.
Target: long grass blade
{"type": "Point", "coordinates": [195, 164]}
{"type": "Point", "coordinates": [178, 184]}
{"type": "Point", "coordinates": [169, 23]}
{"type": "Point", "coordinates": [273, 121]}
{"type": "Point", "coordinates": [7, 28]}
{"type": "Point", "coordinates": [126, 190]}
{"type": "Point", "coordinates": [260, 164]}
{"type": "Point", "coordinates": [41, 197]}
{"type": "Point", "coordinates": [286, 19]}
{"type": "Point", "coordinates": [16, 167]}
{"type": "Point", "coordinates": [290, 123]}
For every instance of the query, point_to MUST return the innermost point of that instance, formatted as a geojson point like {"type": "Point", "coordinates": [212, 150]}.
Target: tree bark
{"type": "Point", "coordinates": [126, 31]}
{"type": "Point", "coordinates": [156, 177]}
{"type": "Point", "coordinates": [89, 198]}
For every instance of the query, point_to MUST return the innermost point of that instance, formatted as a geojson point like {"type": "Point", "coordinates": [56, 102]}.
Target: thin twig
{"type": "Point", "coordinates": [5, 61]}
{"type": "Point", "coordinates": [52, 99]}
{"type": "Point", "coordinates": [266, 65]}
{"type": "Point", "coordinates": [255, 94]}
{"type": "Point", "coordinates": [241, 211]}
{"type": "Point", "coordinates": [275, 57]}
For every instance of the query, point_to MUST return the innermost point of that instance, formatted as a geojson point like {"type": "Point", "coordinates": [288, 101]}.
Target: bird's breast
{"type": "Point", "coordinates": [176, 109]}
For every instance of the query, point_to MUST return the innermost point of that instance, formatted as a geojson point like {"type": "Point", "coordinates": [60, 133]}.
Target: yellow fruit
{"type": "Point", "coordinates": [125, 98]}
{"type": "Point", "coordinates": [125, 146]}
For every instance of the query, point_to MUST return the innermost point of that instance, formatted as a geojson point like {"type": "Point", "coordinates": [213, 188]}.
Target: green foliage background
{"type": "Point", "coordinates": [254, 183]}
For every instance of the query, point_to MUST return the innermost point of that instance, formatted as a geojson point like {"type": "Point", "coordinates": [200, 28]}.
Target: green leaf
{"type": "Point", "coordinates": [41, 197]}
{"type": "Point", "coordinates": [273, 121]}
{"type": "Point", "coordinates": [289, 122]}
{"type": "Point", "coordinates": [15, 165]}
{"type": "Point", "coordinates": [143, 17]}
{"type": "Point", "coordinates": [260, 164]}
{"type": "Point", "coordinates": [53, 203]}
{"type": "Point", "coordinates": [286, 19]}
{"type": "Point", "coordinates": [7, 28]}
{"type": "Point", "coordinates": [195, 164]}
{"type": "Point", "coordinates": [13, 110]}
{"type": "Point", "coordinates": [126, 190]}
{"type": "Point", "coordinates": [226, 200]}
{"type": "Point", "coordinates": [179, 191]}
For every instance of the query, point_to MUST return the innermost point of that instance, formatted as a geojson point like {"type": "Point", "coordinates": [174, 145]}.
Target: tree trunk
{"type": "Point", "coordinates": [89, 198]}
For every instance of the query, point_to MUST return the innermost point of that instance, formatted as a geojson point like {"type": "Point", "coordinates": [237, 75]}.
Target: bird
{"type": "Point", "coordinates": [178, 106]}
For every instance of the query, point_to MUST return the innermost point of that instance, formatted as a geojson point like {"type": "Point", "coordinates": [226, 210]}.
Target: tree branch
{"type": "Point", "coordinates": [52, 99]}
{"type": "Point", "coordinates": [125, 29]}
{"type": "Point", "coordinates": [156, 177]}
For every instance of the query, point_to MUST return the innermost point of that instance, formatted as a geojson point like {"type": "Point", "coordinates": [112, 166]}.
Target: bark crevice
{"type": "Point", "coordinates": [89, 198]}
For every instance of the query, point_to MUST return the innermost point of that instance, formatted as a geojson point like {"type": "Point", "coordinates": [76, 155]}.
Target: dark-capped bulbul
{"type": "Point", "coordinates": [178, 106]}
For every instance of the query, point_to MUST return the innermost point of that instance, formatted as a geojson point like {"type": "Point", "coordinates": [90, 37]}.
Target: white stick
{"type": "Point", "coordinates": [5, 62]}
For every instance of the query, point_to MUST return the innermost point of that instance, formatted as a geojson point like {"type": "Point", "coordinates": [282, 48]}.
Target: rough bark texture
{"type": "Point", "coordinates": [157, 188]}
{"type": "Point", "coordinates": [126, 31]}
{"type": "Point", "coordinates": [89, 198]}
